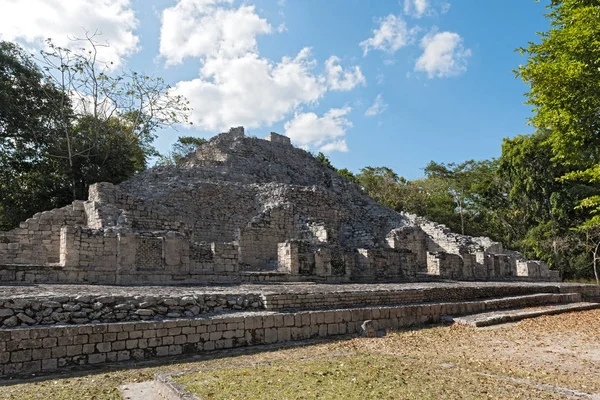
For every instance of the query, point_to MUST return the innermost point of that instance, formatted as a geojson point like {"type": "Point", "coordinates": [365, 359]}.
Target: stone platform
{"type": "Point", "coordinates": [508, 316]}
{"type": "Point", "coordinates": [52, 327]}
{"type": "Point", "coordinates": [246, 210]}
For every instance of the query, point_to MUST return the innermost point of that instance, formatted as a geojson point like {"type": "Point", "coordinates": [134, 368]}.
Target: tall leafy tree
{"type": "Point", "coordinates": [28, 123]}
{"type": "Point", "coordinates": [68, 121]}
{"type": "Point", "coordinates": [563, 74]}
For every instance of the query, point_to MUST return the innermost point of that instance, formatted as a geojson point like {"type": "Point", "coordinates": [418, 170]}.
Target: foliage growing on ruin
{"type": "Point", "coordinates": [180, 149]}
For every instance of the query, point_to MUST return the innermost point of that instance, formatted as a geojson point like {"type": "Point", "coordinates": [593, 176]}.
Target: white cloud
{"type": "Point", "coordinates": [236, 86]}
{"type": "Point", "coordinates": [325, 133]}
{"type": "Point", "coordinates": [338, 79]}
{"type": "Point", "coordinates": [282, 28]}
{"type": "Point", "coordinates": [378, 107]}
{"type": "Point", "coordinates": [338, 145]}
{"type": "Point", "coordinates": [416, 8]}
{"type": "Point", "coordinates": [33, 21]}
{"type": "Point", "coordinates": [443, 55]}
{"type": "Point", "coordinates": [250, 90]}
{"type": "Point", "coordinates": [392, 34]}
{"type": "Point", "coordinates": [201, 28]}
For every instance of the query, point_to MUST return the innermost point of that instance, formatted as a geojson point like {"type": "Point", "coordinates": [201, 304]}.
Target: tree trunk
{"type": "Point", "coordinates": [595, 254]}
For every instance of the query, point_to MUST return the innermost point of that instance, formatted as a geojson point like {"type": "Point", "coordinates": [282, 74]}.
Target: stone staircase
{"type": "Point", "coordinates": [503, 316]}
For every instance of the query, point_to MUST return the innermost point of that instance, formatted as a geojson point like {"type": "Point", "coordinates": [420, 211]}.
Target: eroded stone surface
{"type": "Point", "coordinates": [24, 306]}
{"type": "Point", "coordinates": [242, 209]}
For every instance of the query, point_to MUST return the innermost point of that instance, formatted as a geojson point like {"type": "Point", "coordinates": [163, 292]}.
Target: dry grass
{"type": "Point", "coordinates": [454, 362]}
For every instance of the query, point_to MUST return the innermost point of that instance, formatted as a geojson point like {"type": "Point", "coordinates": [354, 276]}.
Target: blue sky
{"type": "Point", "coordinates": [378, 83]}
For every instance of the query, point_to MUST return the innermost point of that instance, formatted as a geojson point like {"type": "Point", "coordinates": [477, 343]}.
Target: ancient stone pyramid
{"type": "Point", "coordinates": [245, 209]}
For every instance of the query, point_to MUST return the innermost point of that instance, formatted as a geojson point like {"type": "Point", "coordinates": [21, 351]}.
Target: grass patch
{"type": "Point", "coordinates": [434, 363]}
{"type": "Point", "coordinates": [360, 376]}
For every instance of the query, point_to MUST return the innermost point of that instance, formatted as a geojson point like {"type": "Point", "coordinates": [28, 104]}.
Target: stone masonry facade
{"type": "Point", "coordinates": [45, 349]}
{"type": "Point", "coordinates": [242, 209]}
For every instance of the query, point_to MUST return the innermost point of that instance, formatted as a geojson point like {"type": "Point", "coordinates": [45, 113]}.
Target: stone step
{"type": "Point", "coordinates": [514, 315]}
{"type": "Point", "coordinates": [531, 300]}
{"type": "Point", "coordinates": [313, 301]}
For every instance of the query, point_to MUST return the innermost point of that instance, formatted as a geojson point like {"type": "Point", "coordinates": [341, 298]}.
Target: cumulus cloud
{"type": "Point", "coordinates": [392, 34]}
{"type": "Point", "coordinates": [338, 145]}
{"type": "Point", "coordinates": [378, 107]}
{"type": "Point", "coordinates": [443, 55]}
{"type": "Point", "coordinates": [416, 8]}
{"type": "Point", "coordinates": [325, 133]}
{"type": "Point", "coordinates": [250, 90]}
{"type": "Point", "coordinates": [340, 79]}
{"type": "Point", "coordinates": [202, 28]}
{"type": "Point", "coordinates": [236, 86]}
{"type": "Point", "coordinates": [32, 21]}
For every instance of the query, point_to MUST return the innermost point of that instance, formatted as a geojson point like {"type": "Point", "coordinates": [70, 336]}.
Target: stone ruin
{"type": "Point", "coordinates": [242, 209]}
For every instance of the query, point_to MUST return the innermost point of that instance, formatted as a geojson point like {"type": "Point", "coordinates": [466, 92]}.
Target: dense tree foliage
{"type": "Point", "coordinates": [67, 121]}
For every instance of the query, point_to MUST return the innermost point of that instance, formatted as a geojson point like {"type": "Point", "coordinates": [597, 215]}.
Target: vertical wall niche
{"type": "Point", "coordinates": [149, 253]}
{"type": "Point", "coordinates": [338, 264]}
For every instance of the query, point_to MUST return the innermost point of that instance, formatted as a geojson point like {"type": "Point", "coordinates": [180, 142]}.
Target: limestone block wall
{"type": "Point", "coordinates": [258, 241]}
{"type": "Point", "coordinates": [37, 240]}
{"type": "Point", "coordinates": [526, 268]}
{"type": "Point", "coordinates": [43, 349]}
{"type": "Point", "coordinates": [113, 256]}
{"type": "Point", "coordinates": [206, 211]}
{"type": "Point", "coordinates": [218, 211]}
{"type": "Point", "coordinates": [412, 239]}
{"type": "Point", "coordinates": [301, 257]}
{"type": "Point", "coordinates": [108, 206]}
{"type": "Point", "coordinates": [382, 264]}
{"type": "Point", "coordinates": [279, 139]}
{"type": "Point", "coordinates": [495, 267]}
{"type": "Point", "coordinates": [500, 265]}
{"type": "Point", "coordinates": [445, 265]}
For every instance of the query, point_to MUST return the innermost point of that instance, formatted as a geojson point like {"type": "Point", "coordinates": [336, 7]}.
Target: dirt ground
{"type": "Point", "coordinates": [547, 357]}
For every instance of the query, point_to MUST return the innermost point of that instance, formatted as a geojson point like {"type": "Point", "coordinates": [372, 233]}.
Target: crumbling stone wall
{"type": "Point", "coordinates": [239, 209]}
{"type": "Point", "coordinates": [37, 240]}
{"type": "Point", "coordinates": [43, 349]}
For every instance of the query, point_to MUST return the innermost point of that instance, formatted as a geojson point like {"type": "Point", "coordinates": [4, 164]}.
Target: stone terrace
{"type": "Point", "coordinates": [51, 327]}
{"type": "Point", "coordinates": [25, 306]}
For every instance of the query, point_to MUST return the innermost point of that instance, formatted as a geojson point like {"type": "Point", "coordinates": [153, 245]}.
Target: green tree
{"type": "Point", "coordinates": [180, 149]}
{"type": "Point", "coordinates": [322, 158]}
{"type": "Point", "coordinates": [71, 123]}
{"type": "Point", "coordinates": [28, 122]}
{"type": "Point", "coordinates": [470, 185]}
{"type": "Point", "coordinates": [346, 173]}
{"type": "Point", "coordinates": [383, 185]}
{"type": "Point", "coordinates": [91, 87]}
{"type": "Point", "coordinates": [563, 74]}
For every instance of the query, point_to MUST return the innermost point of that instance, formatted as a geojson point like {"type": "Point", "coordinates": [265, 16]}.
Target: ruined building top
{"type": "Point", "coordinates": [245, 209]}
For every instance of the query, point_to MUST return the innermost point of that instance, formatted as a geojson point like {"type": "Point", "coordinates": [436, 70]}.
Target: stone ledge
{"type": "Point", "coordinates": [46, 349]}
{"type": "Point", "coordinates": [502, 317]}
